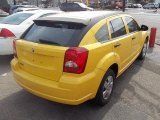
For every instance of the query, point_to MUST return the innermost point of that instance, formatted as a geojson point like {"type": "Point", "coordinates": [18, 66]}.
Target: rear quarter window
{"type": "Point", "coordinates": [102, 34]}
{"type": "Point", "coordinates": [54, 33]}
{"type": "Point", "coordinates": [117, 27]}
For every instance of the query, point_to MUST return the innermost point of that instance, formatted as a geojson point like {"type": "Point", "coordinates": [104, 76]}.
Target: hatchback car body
{"type": "Point", "coordinates": [74, 57]}
{"type": "Point", "coordinates": [13, 26]}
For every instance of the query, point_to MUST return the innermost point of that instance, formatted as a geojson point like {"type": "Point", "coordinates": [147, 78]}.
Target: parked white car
{"type": "Point", "coordinates": [25, 9]}
{"type": "Point", "coordinates": [13, 27]}
{"type": "Point", "coordinates": [139, 6]}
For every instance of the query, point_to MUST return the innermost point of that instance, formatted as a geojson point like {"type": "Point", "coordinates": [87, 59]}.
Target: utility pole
{"type": "Point", "coordinates": [37, 3]}
{"type": "Point", "coordinates": [124, 5]}
{"type": "Point", "coordinates": [14, 2]}
{"type": "Point", "coordinates": [59, 3]}
{"type": "Point", "coordinates": [66, 5]}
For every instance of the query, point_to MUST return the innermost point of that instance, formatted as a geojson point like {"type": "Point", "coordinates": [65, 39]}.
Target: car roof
{"type": "Point", "coordinates": [84, 17]}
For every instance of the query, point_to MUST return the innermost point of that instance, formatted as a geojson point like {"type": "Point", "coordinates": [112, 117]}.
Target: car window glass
{"type": "Point", "coordinates": [54, 33]}
{"type": "Point", "coordinates": [75, 5]}
{"type": "Point", "coordinates": [70, 5]}
{"type": "Point", "coordinates": [102, 34]}
{"type": "Point", "coordinates": [16, 19]}
{"type": "Point", "coordinates": [132, 24]}
{"type": "Point", "coordinates": [82, 5]}
{"type": "Point", "coordinates": [117, 28]}
{"type": "Point", "coordinates": [47, 14]}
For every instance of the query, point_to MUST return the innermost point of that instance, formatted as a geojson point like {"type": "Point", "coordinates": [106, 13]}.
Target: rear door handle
{"type": "Point", "coordinates": [117, 45]}
{"type": "Point", "coordinates": [133, 38]}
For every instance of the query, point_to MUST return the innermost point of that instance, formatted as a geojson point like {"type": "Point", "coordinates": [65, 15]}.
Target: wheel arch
{"type": "Point", "coordinates": [147, 39]}
{"type": "Point", "coordinates": [114, 67]}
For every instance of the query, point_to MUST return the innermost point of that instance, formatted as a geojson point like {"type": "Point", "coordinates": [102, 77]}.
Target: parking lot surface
{"type": "Point", "coordinates": [136, 95]}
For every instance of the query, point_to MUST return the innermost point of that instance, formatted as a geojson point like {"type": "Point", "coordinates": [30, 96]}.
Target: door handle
{"type": "Point", "coordinates": [117, 45]}
{"type": "Point", "coordinates": [133, 38]}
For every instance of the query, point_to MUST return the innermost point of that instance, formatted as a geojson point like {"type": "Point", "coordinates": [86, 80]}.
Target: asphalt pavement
{"type": "Point", "coordinates": [149, 18]}
{"type": "Point", "coordinates": [136, 95]}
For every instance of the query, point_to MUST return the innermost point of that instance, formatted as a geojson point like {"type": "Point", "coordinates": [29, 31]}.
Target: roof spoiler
{"type": "Point", "coordinates": [65, 20]}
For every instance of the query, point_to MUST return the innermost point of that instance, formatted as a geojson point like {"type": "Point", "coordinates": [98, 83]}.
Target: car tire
{"type": "Point", "coordinates": [105, 89]}
{"type": "Point", "coordinates": [143, 51]}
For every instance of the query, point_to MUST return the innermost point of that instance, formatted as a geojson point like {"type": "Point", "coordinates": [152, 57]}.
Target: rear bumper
{"type": "Point", "coordinates": [6, 46]}
{"type": "Point", "coordinates": [68, 90]}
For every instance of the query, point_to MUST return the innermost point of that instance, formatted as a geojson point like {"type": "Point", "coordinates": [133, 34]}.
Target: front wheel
{"type": "Point", "coordinates": [105, 88]}
{"type": "Point", "coordinates": [144, 51]}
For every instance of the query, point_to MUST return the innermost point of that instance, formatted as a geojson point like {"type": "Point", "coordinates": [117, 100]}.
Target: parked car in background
{"type": "Point", "coordinates": [135, 6]}
{"type": "Point", "coordinates": [3, 13]}
{"type": "Point", "coordinates": [24, 9]}
{"type": "Point", "coordinates": [129, 5]}
{"type": "Point", "coordinates": [76, 56]}
{"type": "Point", "coordinates": [139, 6]}
{"type": "Point", "coordinates": [14, 7]}
{"type": "Point", "coordinates": [151, 6]}
{"type": "Point", "coordinates": [74, 6]}
{"type": "Point", "coordinates": [14, 25]}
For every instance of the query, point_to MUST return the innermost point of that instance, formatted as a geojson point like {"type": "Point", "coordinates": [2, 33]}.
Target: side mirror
{"type": "Point", "coordinates": [144, 28]}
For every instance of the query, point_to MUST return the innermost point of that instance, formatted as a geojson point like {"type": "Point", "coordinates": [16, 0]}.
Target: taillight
{"type": "Point", "coordinates": [75, 60]}
{"type": "Point", "coordinates": [14, 48]}
{"type": "Point", "coordinates": [6, 33]}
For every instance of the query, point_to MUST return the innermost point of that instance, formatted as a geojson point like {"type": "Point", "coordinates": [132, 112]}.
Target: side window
{"type": "Point", "coordinates": [102, 34]}
{"type": "Point", "coordinates": [132, 24]}
{"type": "Point", "coordinates": [117, 28]}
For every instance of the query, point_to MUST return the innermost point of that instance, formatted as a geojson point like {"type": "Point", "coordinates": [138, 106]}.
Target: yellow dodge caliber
{"type": "Point", "coordinates": [74, 57]}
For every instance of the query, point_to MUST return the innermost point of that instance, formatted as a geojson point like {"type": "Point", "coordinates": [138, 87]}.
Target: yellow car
{"type": "Point", "coordinates": [74, 57]}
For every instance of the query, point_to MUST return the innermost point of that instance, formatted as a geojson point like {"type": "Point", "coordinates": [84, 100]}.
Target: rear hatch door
{"type": "Point", "coordinates": [41, 60]}
{"type": "Point", "coordinates": [42, 48]}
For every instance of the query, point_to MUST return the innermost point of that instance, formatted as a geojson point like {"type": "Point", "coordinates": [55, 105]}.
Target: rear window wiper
{"type": "Point", "coordinates": [48, 42]}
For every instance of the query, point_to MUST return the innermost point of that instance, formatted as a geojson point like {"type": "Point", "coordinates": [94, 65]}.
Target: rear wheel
{"type": "Point", "coordinates": [144, 51]}
{"type": "Point", "coordinates": [105, 88]}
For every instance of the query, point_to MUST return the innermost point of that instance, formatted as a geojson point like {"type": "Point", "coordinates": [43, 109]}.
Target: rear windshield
{"type": "Point", "coordinates": [54, 33]}
{"type": "Point", "coordinates": [16, 18]}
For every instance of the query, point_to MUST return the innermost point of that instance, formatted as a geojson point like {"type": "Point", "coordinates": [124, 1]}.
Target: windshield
{"type": "Point", "coordinates": [54, 33]}
{"type": "Point", "coordinates": [16, 18]}
{"type": "Point", "coordinates": [82, 5]}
